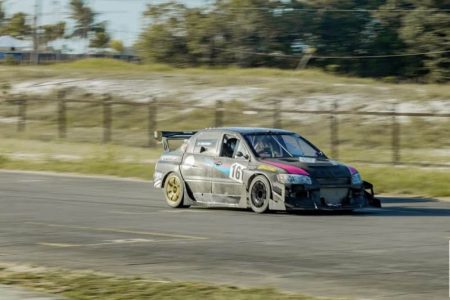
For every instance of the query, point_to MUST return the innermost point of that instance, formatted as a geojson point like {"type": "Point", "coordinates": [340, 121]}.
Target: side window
{"type": "Point", "coordinates": [229, 146]}
{"type": "Point", "coordinates": [206, 144]}
{"type": "Point", "coordinates": [241, 148]}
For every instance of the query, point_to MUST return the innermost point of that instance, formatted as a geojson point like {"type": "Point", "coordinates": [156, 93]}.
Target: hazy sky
{"type": "Point", "coordinates": [124, 17]}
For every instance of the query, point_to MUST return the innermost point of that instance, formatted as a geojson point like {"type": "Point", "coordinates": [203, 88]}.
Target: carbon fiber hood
{"type": "Point", "coordinates": [319, 168]}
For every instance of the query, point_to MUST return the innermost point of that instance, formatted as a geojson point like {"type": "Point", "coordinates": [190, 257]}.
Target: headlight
{"type": "Point", "coordinates": [356, 179]}
{"type": "Point", "coordinates": [294, 179]}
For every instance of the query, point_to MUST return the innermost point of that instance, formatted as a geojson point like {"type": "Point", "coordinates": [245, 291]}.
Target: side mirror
{"type": "Point", "coordinates": [202, 149]}
{"type": "Point", "coordinates": [240, 154]}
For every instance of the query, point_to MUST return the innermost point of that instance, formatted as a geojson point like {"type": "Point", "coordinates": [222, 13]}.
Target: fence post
{"type": "Point", "coordinates": [277, 114]}
{"type": "Point", "coordinates": [152, 122]}
{"type": "Point", "coordinates": [334, 132]}
{"type": "Point", "coordinates": [218, 121]}
{"type": "Point", "coordinates": [395, 136]}
{"type": "Point", "coordinates": [61, 114]}
{"type": "Point", "coordinates": [107, 112]}
{"type": "Point", "coordinates": [21, 114]}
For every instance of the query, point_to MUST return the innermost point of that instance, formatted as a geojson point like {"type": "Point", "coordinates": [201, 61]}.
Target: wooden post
{"type": "Point", "coordinates": [62, 120]}
{"type": "Point", "coordinates": [107, 113]}
{"type": "Point", "coordinates": [218, 120]}
{"type": "Point", "coordinates": [21, 114]}
{"type": "Point", "coordinates": [395, 136]}
{"type": "Point", "coordinates": [277, 114]}
{"type": "Point", "coordinates": [334, 132]}
{"type": "Point", "coordinates": [152, 121]}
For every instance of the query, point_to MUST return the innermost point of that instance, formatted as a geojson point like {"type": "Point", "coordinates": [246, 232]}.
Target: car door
{"type": "Point", "coordinates": [227, 172]}
{"type": "Point", "coordinates": [198, 163]}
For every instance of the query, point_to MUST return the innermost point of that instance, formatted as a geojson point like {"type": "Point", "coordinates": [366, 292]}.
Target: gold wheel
{"type": "Point", "coordinates": [174, 190]}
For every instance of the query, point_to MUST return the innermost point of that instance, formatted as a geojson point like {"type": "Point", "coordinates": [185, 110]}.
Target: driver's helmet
{"type": "Point", "coordinates": [263, 146]}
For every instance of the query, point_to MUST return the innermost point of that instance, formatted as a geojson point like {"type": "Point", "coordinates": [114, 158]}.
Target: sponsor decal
{"type": "Point", "coordinates": [236, 172]}
{"type": "Point", "coordinates": [169, 158]}
{"type": "Point", "coordinates": [352, 170]}
{"type": "Point", "coordinates": [307, 159]}
{"type": "Point", "coordinates": [267, 168]}
{"type": "Point", "coordinates": [225, 168]}
{"type": "Point", "coordinates": [289, 168]}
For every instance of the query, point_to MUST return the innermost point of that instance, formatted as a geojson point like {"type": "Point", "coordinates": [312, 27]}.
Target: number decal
{"type": "Point", "coordinates": [236, 172]}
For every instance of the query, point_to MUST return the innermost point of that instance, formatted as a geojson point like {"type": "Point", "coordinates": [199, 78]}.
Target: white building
{"type": "Point", "coordinates": [11, 44]}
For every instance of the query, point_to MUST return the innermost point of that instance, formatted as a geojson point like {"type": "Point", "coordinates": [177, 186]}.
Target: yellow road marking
{"type": "Point", "coordinates": [104, 229]}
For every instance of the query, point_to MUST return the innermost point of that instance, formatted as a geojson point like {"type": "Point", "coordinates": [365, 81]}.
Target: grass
{"type": "Point", "coordinates": [360, 138]}
{"type": "Point", "coordinates": [407, 180]}
{"type": "Point", "coordinates": [421, 140]}
{"type": "Point", "coordinates": [115, 160]}
{"type": "Point", "coordinates": [93, 286]}
{"type": "Point", "coordinates": [125, 161]}
{"type": "Point", "coordinates": [100, 166]}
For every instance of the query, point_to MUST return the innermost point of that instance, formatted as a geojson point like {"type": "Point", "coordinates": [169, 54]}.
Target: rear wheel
{"type": "Point", "coordinates": [259, 194]}
{"type": "Point", "coordinates": [174, 191]}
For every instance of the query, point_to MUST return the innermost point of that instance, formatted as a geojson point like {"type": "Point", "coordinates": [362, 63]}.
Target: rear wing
{"type": "Point", "coordinates": [165, 136]}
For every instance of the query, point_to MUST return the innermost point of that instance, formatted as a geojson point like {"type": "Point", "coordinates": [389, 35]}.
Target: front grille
{"type": "Point", "coordinates": [333, 196]}
{"type": "Point", "coordinates": [334, 181]}
{"type": "Point", "coordinates": [328, 171]}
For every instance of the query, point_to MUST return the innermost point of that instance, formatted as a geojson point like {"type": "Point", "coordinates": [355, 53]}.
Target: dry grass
{"type": "Point", "coordinates": [95, 286]}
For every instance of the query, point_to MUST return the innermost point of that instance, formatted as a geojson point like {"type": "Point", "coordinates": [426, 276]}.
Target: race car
{"type": "Point", "coordinates": [258, 168]}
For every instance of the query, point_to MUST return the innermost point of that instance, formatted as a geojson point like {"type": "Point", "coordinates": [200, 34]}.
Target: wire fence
{"type": "Point", "coordinates": [109, 116]}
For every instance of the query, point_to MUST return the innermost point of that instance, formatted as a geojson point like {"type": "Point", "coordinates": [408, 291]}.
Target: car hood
{"type": "Point", "coordinates": [320, 168]}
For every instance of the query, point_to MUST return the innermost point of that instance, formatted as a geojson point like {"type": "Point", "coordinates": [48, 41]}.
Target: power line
{"type": "Point", "coordinates": [334, 57]}
{"type": "Point", "coordinates": [355, 10]}
{"type": "Point", "coordinates": [381, 56]}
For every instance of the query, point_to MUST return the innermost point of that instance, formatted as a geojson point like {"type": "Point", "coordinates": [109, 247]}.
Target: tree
{"type": "Point", "coordinates": [101, 38]}
{"type": "Point", "coordinates": [117, 45]}
{"type": "Point", "coordinates": [251, 33]}
{"type": "Point", "coordinates": [165, 38]}
{"type": "Point", "coordinates": [52, 32]}
{"type": "Point", "coordinates": [429, 32]}
{"type": "Point", "coordinates": [421, 27]}
{"type": "Point", "coordinates": [2, 14]}
{"type": "Point", "coordinates": [84, 18]}
{"type": "Point", "coordinates": [17, 26]}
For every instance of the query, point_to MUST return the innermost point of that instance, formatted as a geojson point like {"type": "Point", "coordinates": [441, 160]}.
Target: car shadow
{"type": "Point", "coordinates": [392, 206]}
{"type": "Point", "coordinates": [406, 200]}
{"type": "Point", "coordinates": [398, 211]}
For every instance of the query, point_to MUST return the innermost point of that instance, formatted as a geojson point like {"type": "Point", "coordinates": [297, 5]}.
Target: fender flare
{"type": "Point", "coordinates": [252, 176]}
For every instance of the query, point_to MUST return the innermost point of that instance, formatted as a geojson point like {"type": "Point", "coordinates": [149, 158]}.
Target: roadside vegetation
{"type": "Point", "coordinates": [422, 140]}
{"type": "Point", "coordinates": [135, 162]}
{"type": "Point", "coordinates": [86, 285]}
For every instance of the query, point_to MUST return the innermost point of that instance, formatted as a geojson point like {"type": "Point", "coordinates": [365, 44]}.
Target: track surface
{"type": "Point", "coordinates": [124, 227]}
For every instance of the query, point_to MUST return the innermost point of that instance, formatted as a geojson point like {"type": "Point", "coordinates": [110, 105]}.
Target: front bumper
{"type": "Point", "coordinates": [325, 197]}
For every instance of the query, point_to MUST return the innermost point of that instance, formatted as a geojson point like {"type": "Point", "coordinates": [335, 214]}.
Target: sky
{"type": "Point", "coordinates": [124, 17]}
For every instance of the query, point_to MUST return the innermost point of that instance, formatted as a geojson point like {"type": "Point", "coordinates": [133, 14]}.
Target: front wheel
{"type": "Point", "coordinates": [259, 194]}
{"type": "Point", "coordinates": [174, 191]}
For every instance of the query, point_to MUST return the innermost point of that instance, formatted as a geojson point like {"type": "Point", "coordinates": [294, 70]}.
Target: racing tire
{"type": "Point", "coordinates": [174, 191]}
{"type": "Point", "coordinates": [259, 194]}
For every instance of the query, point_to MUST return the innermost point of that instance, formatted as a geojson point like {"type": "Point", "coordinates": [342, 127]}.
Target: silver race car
{"type": "Point", "coordinates": [258, 168]}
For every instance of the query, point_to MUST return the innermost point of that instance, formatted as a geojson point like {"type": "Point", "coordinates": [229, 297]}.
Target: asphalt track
{"type": "Point", "coordinates": [398, 252]}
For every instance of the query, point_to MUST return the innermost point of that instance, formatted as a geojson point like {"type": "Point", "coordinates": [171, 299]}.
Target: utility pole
{"type": "Point", "coordinates": [36, 19]}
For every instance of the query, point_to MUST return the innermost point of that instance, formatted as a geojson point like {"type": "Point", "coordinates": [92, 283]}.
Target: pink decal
{"type": "Point", "coordinates": [352, 170]}
{"type": "Point", "coordinates": [288, 168]}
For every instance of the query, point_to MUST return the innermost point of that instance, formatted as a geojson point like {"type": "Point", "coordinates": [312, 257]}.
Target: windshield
{"type": "Point", "coordinates": [281, 145]}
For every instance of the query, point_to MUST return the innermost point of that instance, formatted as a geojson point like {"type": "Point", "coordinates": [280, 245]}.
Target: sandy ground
{"type": "Point", "coordinates": [183, 88]}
